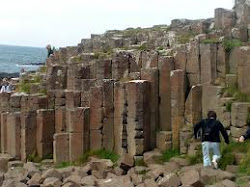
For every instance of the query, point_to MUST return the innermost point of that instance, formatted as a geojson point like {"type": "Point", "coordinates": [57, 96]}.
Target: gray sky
{"type": "Point", "coordinates": [66, 22]}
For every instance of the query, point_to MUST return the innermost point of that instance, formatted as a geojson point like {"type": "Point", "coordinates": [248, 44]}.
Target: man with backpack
{"type": "Point", "coordinates": [210, 136]}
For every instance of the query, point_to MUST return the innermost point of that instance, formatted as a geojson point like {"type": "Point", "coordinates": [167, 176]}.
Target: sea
{"type": "Point", "coordinates": [14, 58]}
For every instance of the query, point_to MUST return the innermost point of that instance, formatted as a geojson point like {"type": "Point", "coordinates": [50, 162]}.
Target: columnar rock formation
{"type": "Point", "coordinates": [132, 91]}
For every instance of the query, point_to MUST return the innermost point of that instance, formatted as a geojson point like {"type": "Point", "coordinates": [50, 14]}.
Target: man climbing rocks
{"type": "Point", "coordinates": [211, 129]}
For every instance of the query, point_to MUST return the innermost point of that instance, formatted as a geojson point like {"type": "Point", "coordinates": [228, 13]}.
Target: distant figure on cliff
{"type": "Point", "coordinates": [211, 129]}
{"type": "Point", "coordinates": [50, 50]}
{"type": "Point", "coordinates": [4, 85]}
{"type": "Point", "coordinates": [22, 72]}
{"type": "Point", "coordinates": [246, 135]}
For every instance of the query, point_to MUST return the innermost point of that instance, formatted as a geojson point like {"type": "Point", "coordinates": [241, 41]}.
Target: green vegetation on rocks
{"type": "Point", "coordinates": [185, 38]}
{"type": "Point", "coordinates": [228, 152]}
{"type": "Point", "coordinates": [167, 155]}
{"type": "Point", "coordinates": [230, 44]}
{"type": "Point", "coordinates": [210, 41]}
{"type": "Point", "coordinates": [102, 154]}
{"type": "Point", "coordinates": [233, 91]}
{"type": "Point", "coordinates": [140, 162]}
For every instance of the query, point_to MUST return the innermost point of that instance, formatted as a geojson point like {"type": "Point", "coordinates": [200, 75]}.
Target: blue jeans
{"type": "Point", "coordinates": [206, 147]}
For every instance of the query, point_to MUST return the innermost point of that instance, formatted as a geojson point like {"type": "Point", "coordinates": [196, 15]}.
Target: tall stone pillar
{"type": "Point", "coordinates": [45, 132]}
{"type": "Point", "coordinates": [120, 118]}
{"type": "Point", "coordinates": [14, 134]}
{"type": "Point", "coordinates": [166, 65]}
{"type": "Point", "coordinates": [4, 132]}
{"type": "Point", "coordinates": [28, 134]}
{"type": "Point", "coordinates": [138, 127]}
{"type": "Point", "coordinates": [178, 91]}
{"type": "Point", "coordinates": [152, 75]}
{"type": "Point", "coordinates": [96, 117]}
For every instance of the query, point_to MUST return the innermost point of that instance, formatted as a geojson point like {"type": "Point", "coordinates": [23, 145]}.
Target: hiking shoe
{"type": "Point", "coordinates": [215, 164]}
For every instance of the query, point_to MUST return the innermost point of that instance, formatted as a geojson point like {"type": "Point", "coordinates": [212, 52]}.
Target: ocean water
{"type": "Point", "coordinates": [14, 58]}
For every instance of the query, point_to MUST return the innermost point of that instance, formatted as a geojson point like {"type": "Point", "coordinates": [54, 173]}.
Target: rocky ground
{"type": "Point", "coordinates": [104, 173]}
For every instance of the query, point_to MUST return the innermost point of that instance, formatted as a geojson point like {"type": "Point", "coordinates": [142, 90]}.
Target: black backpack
{"type": "Point", "coordinates": [208, 128]}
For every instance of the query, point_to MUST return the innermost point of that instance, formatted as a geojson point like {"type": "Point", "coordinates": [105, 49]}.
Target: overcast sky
{"type": "Point", "coordinates": [66, 22]}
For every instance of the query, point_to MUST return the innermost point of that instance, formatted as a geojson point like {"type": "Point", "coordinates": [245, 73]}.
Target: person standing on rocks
{"type": "Point", "coordinates": [211, 129]}
{"type": "Point", "coordinates": [50, 50]}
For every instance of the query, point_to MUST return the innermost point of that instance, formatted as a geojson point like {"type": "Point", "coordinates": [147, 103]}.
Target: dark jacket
{"type": "Point", "coordinates": [216, 129]}
{"type": "Point", "coordinates": [247, 134]}
{"type": "Point", "coordinates": [50, 52]}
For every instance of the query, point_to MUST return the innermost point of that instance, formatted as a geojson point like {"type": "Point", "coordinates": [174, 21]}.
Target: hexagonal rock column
{"type": "Point", "coordinates": [239, 115]}
{"type": "Point", "coordinates": [60, 120]}
{"type": "Point", "coordinates": [208, 62]}
{"type": "Point", "coordinates": [193, 114]}
{"type": "Point", "coordinates": [4, 102]}
{"type": "Point", "coordinates": [14, 134]}
{"type": "Point", "coordinates": [28, 134]}
{"type": "Point", "coordinates": [224, 19]}
{"type": "Point", "coordinates": [193, 107]}
{"type": "Point", "coordinates": [85, 86]}
{"type": "Point", "coordinates": [193, 65]}
{"type": "Point", "coordinates": [45, 132]}
{"type": "Point", "coordinates": [166, 65]}
{"type": "Point", "coordinates": [164, 140]}
{"type": "Point", "coordinates": [96, 117]}
{"type": "Point", "coordinates": [61, 147]}
{"type": "Point", "coordinates": [120, 65]}
{"type": "Point", "coordinates": [4, 132]}
{"type": "Point", "coordinates": [60, 98]}
{"type": "Point", "coordinates": [152, 75]}
{"type": "Point", "coordinates": [149, 59]}
{"type": "Point", "coordinates": [56, 77]}
{"type": "Point", "coordinates": [210, 98]}
{"type": "Point", "coordinates": [139, 109]}
{"type": "Point", "coordinates": [103, 69]}
{"type": "Point", "coordinates": [178, 91]}
{"type": "Point", "coordinates": [15, 102]}
{"type": "Point", "coordinates": [120, 118]}
{"type": "Point", "coordinates": [243, 69]}
{"type": "Point", "coordinates": [108, 114]}
{"type": "Point", "coordinates": [78, 123]}
{"type": "Point", "coordinates": [73, 98]}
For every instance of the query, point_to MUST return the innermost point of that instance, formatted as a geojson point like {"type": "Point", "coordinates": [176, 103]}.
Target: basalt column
{"type": "Point", "coordinates": [178, 90]}
{"type": "Point", "coordinates": [138, 121]}
{"type": "Point", "coordinates": [45, 132]}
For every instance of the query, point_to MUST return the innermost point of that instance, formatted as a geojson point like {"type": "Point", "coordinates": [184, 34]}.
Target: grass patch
{"type": "Point", "coordinates": [64, 165]}
{"type": "Point", "coordinates": [24, 86]}
{"type": "Point", "coordinates": [210, 41]}
{"type": "Point", "coordinates": [34, 158]}
{"type": "Point", "coordinates": [98, 55]}
{"type": "Point", "coordinates": [230, 44]}
{"type": "Point", "coordinates": [131, 32]}
{"type": "Point", "coordinates": [245, 164]}
{"type": "Point", "coordinates": [228, 151]}
{"type": "Point", "coordinates": [102, 154]}
{"type": "Point", "coordinates": [185, 38]}
{"type": "Point", "coordinates": [233, 91]}
{"type": "Point", "coordinates": [140, 162]}
{"type": "Point", "coordinates": [43, 69]}
{"type": "Point", "coordinates": [229, 106]}
{"type": "Point", "coordinates": [48, 156]}
{"type": "Point", "coordinates": [142, 47]}
{"type": "Point", "coordinates": [77, 59]}
{"type": "Point", "coordinates": [167, 155]}
{"type": "Point", "coordinates": [197, 158]}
